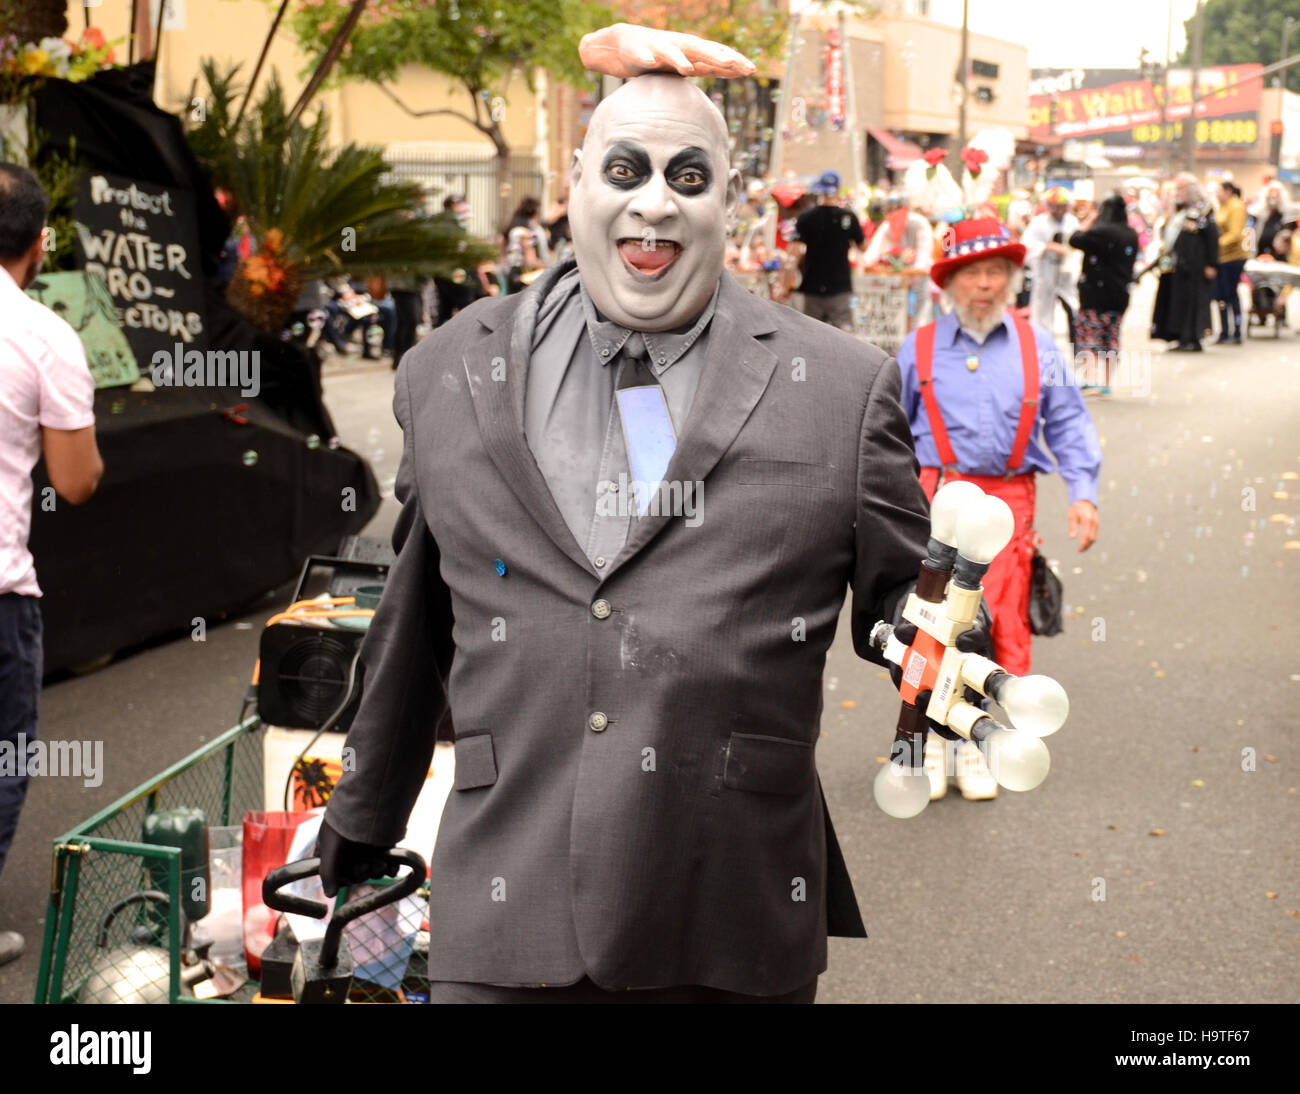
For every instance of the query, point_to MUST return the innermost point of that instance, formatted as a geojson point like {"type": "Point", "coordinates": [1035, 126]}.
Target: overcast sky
{"type": "Point", "coordinates": [1087, 34]}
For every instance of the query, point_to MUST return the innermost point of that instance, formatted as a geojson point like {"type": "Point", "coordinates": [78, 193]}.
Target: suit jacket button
{"type": "Point", "coordinates": [598, 721]}
{"type": "Point", "coordinates": [600, 609]}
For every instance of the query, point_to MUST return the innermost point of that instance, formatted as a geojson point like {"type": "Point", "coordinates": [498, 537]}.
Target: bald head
{"type": "Point", "coordinates": [663, 95]}
{"type": "Point", "coordinates": [651, 195]}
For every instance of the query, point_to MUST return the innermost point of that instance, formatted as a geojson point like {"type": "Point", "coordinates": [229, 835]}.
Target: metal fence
{"type": "Point", "coordinates": [491, 198]}
{"type": "Point", "coordinates": [103, 944]}
{"type": "Point", "coordinates": [103, 861]}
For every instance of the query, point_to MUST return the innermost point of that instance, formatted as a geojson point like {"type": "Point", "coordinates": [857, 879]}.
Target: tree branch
{"type": "Point", "coordinates": [428, 113]}
{"type": "Point", "coordinates": [261, 60]}
{"type": "Point", "coordinates": [327, 61]}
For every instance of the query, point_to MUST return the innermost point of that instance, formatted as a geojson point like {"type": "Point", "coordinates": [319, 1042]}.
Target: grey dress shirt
{"type": "Point", "coordinates": [571, 418]}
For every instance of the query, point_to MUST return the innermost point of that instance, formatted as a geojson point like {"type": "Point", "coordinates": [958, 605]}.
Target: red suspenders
{"type": "Point", "coordinates": [1028, 405]}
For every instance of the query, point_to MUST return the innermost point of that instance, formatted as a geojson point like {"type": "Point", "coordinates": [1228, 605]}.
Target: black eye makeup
{"type": "Point", "coordinates": [690, 172]}
{"type": "Point", "coordinates": [627, 166]}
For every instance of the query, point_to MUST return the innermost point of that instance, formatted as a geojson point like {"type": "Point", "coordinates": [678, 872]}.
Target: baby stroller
{"type": "Point", "coordinates": [1271, 284]}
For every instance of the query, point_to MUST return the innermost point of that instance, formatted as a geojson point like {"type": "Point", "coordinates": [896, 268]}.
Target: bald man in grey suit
{"type": "Point", "coordinates": [633, 664]}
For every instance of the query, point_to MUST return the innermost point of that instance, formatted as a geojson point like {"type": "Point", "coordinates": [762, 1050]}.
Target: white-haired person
{"type": "Point", "coordinates": [1047, 253]}
{"type": "Point", "coordinates": [1189, 260]}
{"type": "Point", "coordinates": [990, 399]}
{"type": "Point", "coordinates": [1270, 222]}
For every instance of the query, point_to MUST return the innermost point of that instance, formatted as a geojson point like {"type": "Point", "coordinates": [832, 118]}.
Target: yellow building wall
{"type": "Point", "coordinates": [234, 30]}
{"type": "Point", "coordinates": [921, 63]}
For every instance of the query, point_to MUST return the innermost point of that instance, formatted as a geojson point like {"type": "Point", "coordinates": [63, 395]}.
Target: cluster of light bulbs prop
{"type": "Point", "coordinates": [967, 530]}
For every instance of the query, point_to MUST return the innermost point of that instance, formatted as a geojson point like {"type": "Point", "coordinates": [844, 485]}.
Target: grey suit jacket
{"type": "Point", "coordinates": [635, 794]}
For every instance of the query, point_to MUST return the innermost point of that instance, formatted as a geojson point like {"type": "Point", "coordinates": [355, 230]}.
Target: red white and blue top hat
{"type": "Point", "coordinates": [970, 240]}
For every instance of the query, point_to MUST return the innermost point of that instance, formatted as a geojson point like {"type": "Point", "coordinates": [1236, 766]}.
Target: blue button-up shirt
{"type": "Point", "coordinates": [981, 408]}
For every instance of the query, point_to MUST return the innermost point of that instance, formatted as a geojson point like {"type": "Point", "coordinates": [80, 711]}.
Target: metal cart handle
{"type": "Point", "coordinates": [316, 909]}
{"type": "Point", "coordinates": [353, 909]}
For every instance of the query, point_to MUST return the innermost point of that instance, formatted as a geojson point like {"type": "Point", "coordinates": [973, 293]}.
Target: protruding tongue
{"type": "Point", "coordinates": [648, 259]}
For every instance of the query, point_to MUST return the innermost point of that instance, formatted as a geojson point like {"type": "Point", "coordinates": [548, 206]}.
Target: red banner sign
{"type": "Point", "coordinates": [834, 77]}
{"type": "Point", "coordinates": [1122, 110]}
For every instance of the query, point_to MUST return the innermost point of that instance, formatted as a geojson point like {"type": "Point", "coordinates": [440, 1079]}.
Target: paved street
{"type": "Point", "coordinates": [1179, 657]}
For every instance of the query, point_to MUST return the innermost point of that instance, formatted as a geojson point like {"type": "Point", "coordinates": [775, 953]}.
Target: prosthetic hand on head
{"type": "Point", "coordinates": [624, 50]}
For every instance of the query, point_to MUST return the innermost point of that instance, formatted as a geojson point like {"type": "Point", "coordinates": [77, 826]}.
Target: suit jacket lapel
{"type": "Point", "coordinates": [496, 375]}
{"type": "Point", "coordinates": [736, 372]}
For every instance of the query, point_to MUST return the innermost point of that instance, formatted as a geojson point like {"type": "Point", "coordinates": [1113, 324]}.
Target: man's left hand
{"type": "Point", "coordinates": [1209, 273]}
{"type": "Point", "coordinates": [1083, 523]}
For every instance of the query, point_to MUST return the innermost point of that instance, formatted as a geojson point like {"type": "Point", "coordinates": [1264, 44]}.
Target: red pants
{"type": "Point", "coordinates": [1006, 585]}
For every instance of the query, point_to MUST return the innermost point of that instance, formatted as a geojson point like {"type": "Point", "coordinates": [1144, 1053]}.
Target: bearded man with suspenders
{"type": "Point", "coordinates": [991, 400]}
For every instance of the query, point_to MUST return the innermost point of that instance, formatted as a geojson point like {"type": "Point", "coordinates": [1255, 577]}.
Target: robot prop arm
{"type": "Point", "coordinates": [967, 530]}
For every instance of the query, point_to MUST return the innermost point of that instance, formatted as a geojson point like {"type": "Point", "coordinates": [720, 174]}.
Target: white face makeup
{"type": "Point", "coordinates": [651, 196]}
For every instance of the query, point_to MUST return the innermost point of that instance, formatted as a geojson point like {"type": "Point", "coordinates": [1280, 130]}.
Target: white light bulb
{"type": "Point", "coordinates": [900, 791]}
{"type": "Point", "coordinates": [949, 500]}
{"type": "Point", "coordinates": [1036, 704]}
{"type": "Point", "coordinates": [984, 528]}
{"type": "Point", "coordinates": [1017, 760]}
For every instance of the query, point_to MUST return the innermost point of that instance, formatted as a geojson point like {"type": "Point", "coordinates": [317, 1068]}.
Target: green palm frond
{"type": "Point", "coordinates": [337, 209]}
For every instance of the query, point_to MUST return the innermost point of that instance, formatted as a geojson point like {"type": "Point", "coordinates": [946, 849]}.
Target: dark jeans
{"type": "Point", "coordinates": [1227, 283]}
{"type": "Point", "coordinates": [407, 307]}
{"type": "Point", "coordinates": [340, 326]}
{"type": "Point", "coordinates": [584, 991]}
{"type": "Point", "coordinates": [21, 658]}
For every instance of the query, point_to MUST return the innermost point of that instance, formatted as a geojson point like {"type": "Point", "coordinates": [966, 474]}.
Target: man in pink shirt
{"type": "Point", "coordinates": [46, 408]}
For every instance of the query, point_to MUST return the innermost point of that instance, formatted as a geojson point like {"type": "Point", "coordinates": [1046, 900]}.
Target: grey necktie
{"type": "Point", "coordinates": [647, 425]}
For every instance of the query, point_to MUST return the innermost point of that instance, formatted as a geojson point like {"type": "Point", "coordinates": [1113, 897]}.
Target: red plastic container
{"type": "Point", "coordinates": [267, 839]}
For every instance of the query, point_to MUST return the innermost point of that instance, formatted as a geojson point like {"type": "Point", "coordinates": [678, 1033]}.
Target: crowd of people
{"type": "Point", "coordinates": [802, 246]}
{"type": "Point", "coordinates": [1083, 256]}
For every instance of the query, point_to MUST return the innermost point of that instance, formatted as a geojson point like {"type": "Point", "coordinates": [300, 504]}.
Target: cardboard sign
{"type": "Point", "coordinates": [140, 238]}
{"type": "Point", "coordinates": [881, 314]}
{"type": "Point", "coordinates": [81, 299]}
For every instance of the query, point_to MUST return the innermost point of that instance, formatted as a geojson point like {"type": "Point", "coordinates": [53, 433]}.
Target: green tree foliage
{"type": "Point", "coordinates": [1238, 32]}
{"type": "Point", "coordinates": [32, 20]}
{"type": "Point", "coordinates": [479, 44]}
{"type": "Point", "coordinates": [315, 211]}
{"type": "Point", "coordinates": [60, 175]}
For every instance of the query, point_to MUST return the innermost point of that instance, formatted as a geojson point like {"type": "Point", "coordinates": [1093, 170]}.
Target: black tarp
{"type": "Point", "coordinates": [185, 524]}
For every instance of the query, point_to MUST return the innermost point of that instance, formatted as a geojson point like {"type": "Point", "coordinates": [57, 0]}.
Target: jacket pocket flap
{"type": "Point", "coordinates": [752, 471]}
{"type": "Point", "coordinates": [476, 763]}
{"type": "Point", "coordinates": [768, 765]}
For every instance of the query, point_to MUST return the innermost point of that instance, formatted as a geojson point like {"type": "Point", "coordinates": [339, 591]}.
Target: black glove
{"type": "Point", "coordinates": [978, 639]}
{"type": "Point", "coordinates": [346, 862]}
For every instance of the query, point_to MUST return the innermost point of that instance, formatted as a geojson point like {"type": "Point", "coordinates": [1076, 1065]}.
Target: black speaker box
{"type": "Point", "coordinates": [304, 675]}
